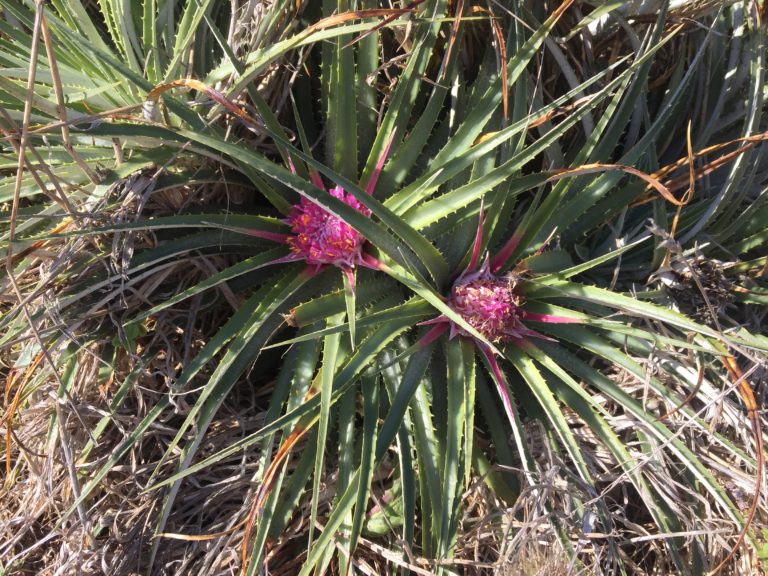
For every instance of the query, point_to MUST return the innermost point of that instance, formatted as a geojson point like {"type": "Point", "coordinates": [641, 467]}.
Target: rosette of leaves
{"type": "Point", "coordinates": [621, 396]}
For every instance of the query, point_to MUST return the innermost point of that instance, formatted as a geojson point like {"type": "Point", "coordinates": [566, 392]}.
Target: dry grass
{"type": "Point", "coordinates": [495, 538]}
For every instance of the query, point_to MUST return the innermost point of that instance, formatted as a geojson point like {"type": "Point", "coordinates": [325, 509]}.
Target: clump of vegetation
{"type": "Point", "coordinates": [353, 287]}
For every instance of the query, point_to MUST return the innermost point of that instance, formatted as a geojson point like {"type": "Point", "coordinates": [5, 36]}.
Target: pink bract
{"type": "Point", "coordinates": [488, 304]}
{"type": "Point", "coordinates": [320, 238]}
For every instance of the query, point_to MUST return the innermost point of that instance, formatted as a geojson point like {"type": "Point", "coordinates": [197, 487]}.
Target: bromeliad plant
{"type": "Point", "coordinates": [317, 237]}
{"type": "Point", "coordinates": [320, 238]}
{"type": "Point", "coordinates": [492, 305]}
{"type": "Point", "coordinates": [437, 148]}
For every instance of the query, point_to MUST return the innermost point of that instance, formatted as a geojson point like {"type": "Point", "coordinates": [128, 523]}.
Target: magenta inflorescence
{"type": "Point", "coordinates": [488, 304]}
{"type": "Point", "coordinates": [319, 237]}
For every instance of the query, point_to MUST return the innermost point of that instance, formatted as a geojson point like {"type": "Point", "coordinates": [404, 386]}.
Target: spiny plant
{"type": "Point", "coordinates": [412, 147]}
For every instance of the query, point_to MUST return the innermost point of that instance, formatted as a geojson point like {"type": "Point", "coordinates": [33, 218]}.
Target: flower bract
{"type": "Point", "coordinates": [488, 303]}
{"type": "Point", "coordinates": [320, 238]}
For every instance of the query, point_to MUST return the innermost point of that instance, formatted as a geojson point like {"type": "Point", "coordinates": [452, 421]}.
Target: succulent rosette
{"type": "Point", "coordinates": [491, 303]}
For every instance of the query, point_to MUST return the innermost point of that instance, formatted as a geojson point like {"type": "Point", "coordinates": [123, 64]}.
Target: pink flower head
{"type": "Point", "coordinates": [488, 303]}
{"type": "Point", "coordinates": [320, 238]}
{"type": "Point", "coordinates": [491, 305]}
